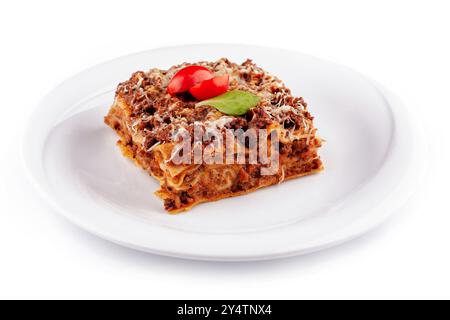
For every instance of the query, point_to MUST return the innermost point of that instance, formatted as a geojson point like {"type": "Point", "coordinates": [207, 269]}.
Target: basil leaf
{"type": "Point", "coordinates": [234, 103]}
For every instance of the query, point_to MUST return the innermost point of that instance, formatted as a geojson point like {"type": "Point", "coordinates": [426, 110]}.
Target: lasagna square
{"type": "Point", "coordinates": [204, 147]}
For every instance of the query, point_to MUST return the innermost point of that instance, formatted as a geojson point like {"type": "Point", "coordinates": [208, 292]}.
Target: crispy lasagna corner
{"type": "Point", "coordinates": [145, 118]}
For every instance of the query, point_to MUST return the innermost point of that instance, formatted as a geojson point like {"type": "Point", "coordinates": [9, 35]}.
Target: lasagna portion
{"type": "Point", "coordinates": [150, 116]}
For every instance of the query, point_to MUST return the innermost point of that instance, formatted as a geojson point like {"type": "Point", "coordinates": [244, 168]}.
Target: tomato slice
{"type": "Point", "coordinates": [188, 77]}
{"type": "Point", "coordinates": [210, 88]}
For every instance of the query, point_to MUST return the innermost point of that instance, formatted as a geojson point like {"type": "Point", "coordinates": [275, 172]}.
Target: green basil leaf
{"type": "Point", "coordinates": [234, 103]}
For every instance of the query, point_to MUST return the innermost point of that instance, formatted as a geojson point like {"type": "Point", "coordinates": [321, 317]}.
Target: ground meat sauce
{"type": "Point", "coordinates": [156, 114]}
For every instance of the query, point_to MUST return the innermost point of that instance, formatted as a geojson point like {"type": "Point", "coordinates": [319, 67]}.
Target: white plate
{"type": "Point", "coordinates": [370, 161]}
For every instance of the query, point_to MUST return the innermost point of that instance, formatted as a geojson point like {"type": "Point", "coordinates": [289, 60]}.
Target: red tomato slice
{"type": "Point", "coordinates": [210, 88]}
{"type": "Point", "coordinates": [188, 77]}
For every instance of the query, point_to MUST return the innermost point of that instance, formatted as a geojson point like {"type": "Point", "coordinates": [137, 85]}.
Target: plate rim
{"type": "Point", "coordinates": [413, 126]}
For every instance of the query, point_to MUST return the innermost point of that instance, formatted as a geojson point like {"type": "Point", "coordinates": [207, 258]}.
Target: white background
{"type": "Point", "coordinates": [402, 44]}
